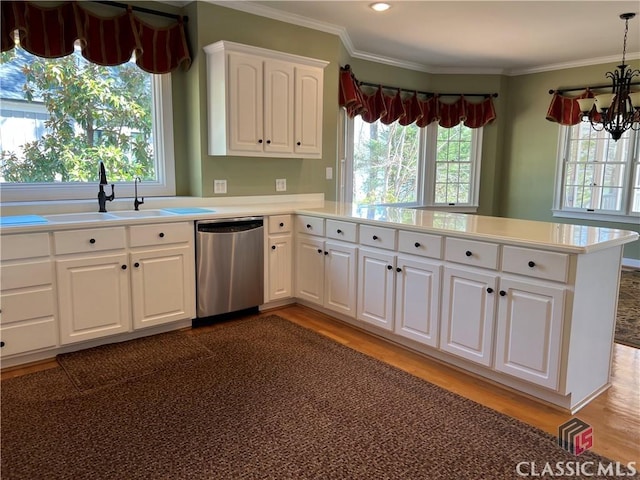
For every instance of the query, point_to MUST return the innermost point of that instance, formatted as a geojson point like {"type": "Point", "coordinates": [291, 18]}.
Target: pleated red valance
{"type": "Point", "coordinates": [566, 111]}
{"type": "Point", "coordinates": [411, 108]}
{"type": "Point", "coordinates": [50, 32]}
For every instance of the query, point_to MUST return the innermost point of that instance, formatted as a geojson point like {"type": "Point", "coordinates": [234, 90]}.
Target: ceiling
{"type": "Point", "coordinates": [500, 37]}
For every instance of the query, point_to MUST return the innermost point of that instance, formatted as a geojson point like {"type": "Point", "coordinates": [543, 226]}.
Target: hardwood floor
{"type": "Point", "coordinates": [614, 415]}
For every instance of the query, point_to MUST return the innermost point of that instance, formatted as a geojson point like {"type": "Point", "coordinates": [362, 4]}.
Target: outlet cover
{"type": "Point", "coordinates": [281, 184]}
{"type": "Point", "coordinates": [219, 186]}
{"type": "Point", "coordinates": [329, 173]}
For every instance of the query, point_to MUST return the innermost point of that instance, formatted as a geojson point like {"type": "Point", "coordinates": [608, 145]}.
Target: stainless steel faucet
{"type": "Point", "coordinates": [136, 202]}
{"type": "Point", "coordinates": [103, 198]}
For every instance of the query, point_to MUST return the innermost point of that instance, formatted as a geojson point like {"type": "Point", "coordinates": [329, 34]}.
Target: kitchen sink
{"type": "Point", "coordinates": [78, 217]}
{"type": "Point", "coordinates": [140, 213]}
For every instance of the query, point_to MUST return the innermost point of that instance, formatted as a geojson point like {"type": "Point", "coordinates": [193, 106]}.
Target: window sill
{"type": "Point", "coordinates": [596, 216]}
{"type": "Point", "coordinates": [449, 208]}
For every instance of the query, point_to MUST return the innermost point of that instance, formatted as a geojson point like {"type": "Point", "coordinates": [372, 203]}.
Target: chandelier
{"type": "Point", "coordinates": [618, 111]}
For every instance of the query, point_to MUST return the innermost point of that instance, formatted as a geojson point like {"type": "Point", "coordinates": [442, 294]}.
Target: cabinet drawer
{"type": "Point", "coordinates": [28, 336]}
{"type": "Point", "coordinates": [420, 244]}
{"type": "Point", "coordinates": [28, 245]}
{"type": "Point", "coordinates": [27, 304]}
{"type": "Point", "coordinates": [378, 236]}
{"type": "Point", "coordinates": [310, 225]}
{"type": "Point", "coordinates": [470, 252]}
{"type": "Point", "coordinates": [26, 274]}
{"type": "Point", "coordinates": [346, 231]}
{"type": "Point", "coordinates": [95, 240]}
{"type": "Point", "coordinates": [279, 224]}
{"type": "Point", "coordinates": [160, 234]}
{"type": "Point", "coordinates": [535, 263]}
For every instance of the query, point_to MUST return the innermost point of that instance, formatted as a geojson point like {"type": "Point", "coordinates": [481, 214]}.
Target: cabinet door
{"type": "Point", "coordinates": [245, 103]}
{"type": "Point", "coordinates": [529, 331]}
{"type": "Point", "coordinates": [376, 277]}
{"type": "Point", "coordinates": [310, 269]}
{"type": "Point", "coordinates": [93, 297]}
{"type": "Point", "coordinates": [278, 106]}
{"type": "Point", "coordinates": [279, 257]}
{"type": "Point", "coordinates": [417, 300]}
{"type": "Point", "coordinates": [340, 278]}
{"type": "Point", "coordinates": [162, 286]}
{"type": "Point", "coordinates": [308, 118]}
{"type": "Point", "coordinates": [468, 314]}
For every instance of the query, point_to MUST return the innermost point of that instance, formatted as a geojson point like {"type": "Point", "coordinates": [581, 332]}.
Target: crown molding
{"type": "Point", "coordinates": [256, 9]}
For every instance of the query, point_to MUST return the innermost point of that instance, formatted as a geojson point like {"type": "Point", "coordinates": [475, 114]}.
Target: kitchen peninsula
{"type": "Point", "coordinates": [529, 305]}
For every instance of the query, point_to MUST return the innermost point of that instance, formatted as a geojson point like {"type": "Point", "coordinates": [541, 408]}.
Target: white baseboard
{"type": "Point", "coordinates": [631, 263]}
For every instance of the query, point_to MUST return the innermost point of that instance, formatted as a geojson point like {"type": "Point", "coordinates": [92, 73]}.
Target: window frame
{"type": "Point", "coordinates": [632, 165]}
{"type": "Point", "coordinates": [426, 169]}
{"type": "Point", "coordinates": [164, 153]}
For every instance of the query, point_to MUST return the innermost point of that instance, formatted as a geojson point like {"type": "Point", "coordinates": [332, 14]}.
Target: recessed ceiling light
{"type": "Point", "coordinates": [380, 6]}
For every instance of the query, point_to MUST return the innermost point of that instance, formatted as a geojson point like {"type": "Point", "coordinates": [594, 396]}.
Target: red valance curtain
{"type": "Point", "coordinates": [50, 32]}
{"type": "Point", "coordinates": [411, 108]}
{"type": "Point", "coordinates": [566, 110]}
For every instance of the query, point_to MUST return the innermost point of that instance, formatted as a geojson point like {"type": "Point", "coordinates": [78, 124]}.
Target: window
{"type": "Point", "coordinates": [60, 117]}
{"type": "Point", "coordinates": [598, 178]}
{"type": "Point", "coordinates": [412, 166]}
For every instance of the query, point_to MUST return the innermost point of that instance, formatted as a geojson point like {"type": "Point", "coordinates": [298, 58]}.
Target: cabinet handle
{"type": "Point", "coordinates": [124, 267]}
{"type": "Point", "coordinates": [531, 263]}
{"type": "Point", "coordinates": [281, 224]}
{"type": "Point", "coordinates": [502, 293]}
{"type": "Point", "coordinates": [489, 290]}
{"type": "Point", "coordinates": [339, 231]}
{"type": "Point", "coordinates": [319, 251]}
{"type": "Point", "coordinates": [417, 244]}
{"type": "Point", "coordinates": [260, 141]}
{"type": "Point", "coordinates": [389, 267]}
{"type": "Point", "coordinates": [273, 247]}
{"type": "Point", "coordinates": [92, 240]}
{"type": "Point", "coordinates": [161, 235]}
{"type": "Point", "coordinates": [375, 237]}
{"type": "Point", "coordinates": [298, 143]}
{"type": "Point", "coordinates": [398, 269]}
{"type": "Point", "coordinates": [136, 264]}
{"type": "Point", "coordinates": [468, 253]}
{"type": "Point", "coordinates": [1, 344]}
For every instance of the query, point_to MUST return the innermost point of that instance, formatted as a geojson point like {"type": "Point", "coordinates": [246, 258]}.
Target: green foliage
{"type": "Point", "coordinates": [95, 113]}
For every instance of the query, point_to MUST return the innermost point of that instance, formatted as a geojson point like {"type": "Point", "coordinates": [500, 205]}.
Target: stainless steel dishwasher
{"type": "Point", "coordinates": [229, 265]}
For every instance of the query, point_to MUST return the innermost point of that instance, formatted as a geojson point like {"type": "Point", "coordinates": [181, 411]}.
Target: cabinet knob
{"type": "Point", "coordinates": [326, 253]}
{"type": "Point", "coordinates": [161, 235]}
{"type": "Point", "coordinates": [92, 240]}
{"type": "Point", "coordinates": [389, 267]}
{"type": "Point", "coordinates": [273, 247]}
{"type": "Point", "coordinates": [281, 224]}
{"type": "Point", "coordinates": [298, 143]}
{"type": "Point", "coordinates": [417, 244]}
{"type": "Point", "coordinates": [319, 250]}
{"type": "Point", "coordinates": [1, 344]}
{"type": "Point", "coordinates": [398, 269]}
{"type": "Point", "coordinates": [260, 141]}
{"type": "Point", "coordinates": [136, 265]}
{"type": "Point", "coordinates": [268, 142]}
{"type": "Point", "coordinates": [339, 231]}
{"type": "Point", "coordinates": [124, 267]}
{"type": "Point", "coordinates": [489, 290]}
{"type": "Point", "coordinates": [502, 293]}
{"type": "Point", "coordinates": [531, 263]}
{"type": "Point", "coordinates": [468, 253]}
{"type": "Point", "coordinates": [375, 237]}
{"type": "Point", "coordinates": [308, 226]}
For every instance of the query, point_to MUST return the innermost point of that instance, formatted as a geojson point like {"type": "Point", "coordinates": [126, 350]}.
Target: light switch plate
{"type": "Point", "coordinates": [219, 186]}
{"type": "Point", "coordinates": [329, 173]}
{"type": "Point", "coordinates": [281, 184]}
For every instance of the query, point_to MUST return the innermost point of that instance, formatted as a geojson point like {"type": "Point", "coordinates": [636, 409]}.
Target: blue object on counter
{"type": "Point", "coordinates": [188, 211]}
{"type": "Point", "coordinates": [22, 220]}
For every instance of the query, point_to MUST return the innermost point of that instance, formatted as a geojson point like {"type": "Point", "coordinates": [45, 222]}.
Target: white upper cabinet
{"type": "Point", "coordinates": [263, 103]}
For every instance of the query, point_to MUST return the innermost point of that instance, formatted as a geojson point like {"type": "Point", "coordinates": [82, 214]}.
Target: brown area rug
{"type": "Point", "coordinates": [116, 362]}
{"type": "Point", "coordinates": [273, 401]}
{"type": "Point", "coordinates": [628, 319]}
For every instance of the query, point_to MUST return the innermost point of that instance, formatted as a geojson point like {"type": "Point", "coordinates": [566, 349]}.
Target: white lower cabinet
{"type": "Point", "coordinates": [93, 297]}
{"type": "Point", "coordinates": [326, 273]}
{"type": "Point", "coordinates": [279, 258]}
{"type": "Point", "coordinates": [468, 312]}
{"type": "Point", "coordinates": [529, 331]}
{"type": "Point", "coordinates": [376, 281]}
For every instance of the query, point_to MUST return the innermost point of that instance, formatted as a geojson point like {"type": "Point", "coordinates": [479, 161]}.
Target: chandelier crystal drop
{"type": "Point", "coordinates": [618, 111]}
